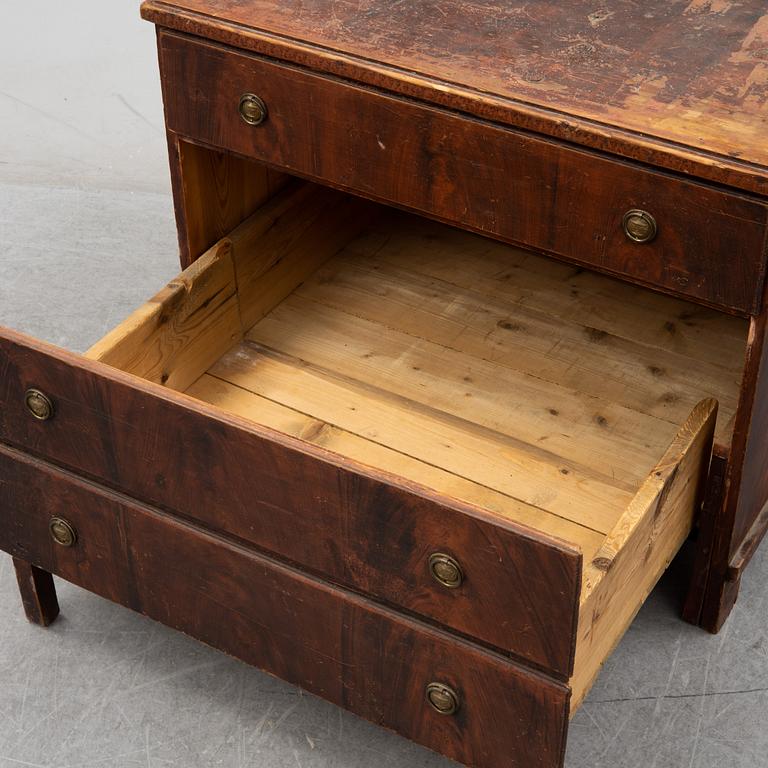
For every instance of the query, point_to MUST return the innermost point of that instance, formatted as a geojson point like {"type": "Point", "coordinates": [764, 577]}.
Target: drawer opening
{"type": "Point", "coordinates": [563, 400]}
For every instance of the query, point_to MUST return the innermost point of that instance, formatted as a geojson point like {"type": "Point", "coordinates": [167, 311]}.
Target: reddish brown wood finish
{"type": "Point", "coordinates": [371, 532]}
{"type": "Point", "coordinates": [212, 193]}
{"type": "Point", "coordinates": [37, 590]}
{"type": "Point", "coordinates": [516, 187]}
{"type": "Point", "coordinates": [335, 644]}
{"type": "Point", "coordinates": [753, 479]}
{"type": "Point", "coordinates": [678, 84]}
{"type": "Point", "coordinates": [707, 523]}
{"type": "Point", "coordinates": [742, 522]}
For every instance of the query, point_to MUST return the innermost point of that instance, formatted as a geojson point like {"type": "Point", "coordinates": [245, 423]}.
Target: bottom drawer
{"type": "Point", "coordinates": [333, 643]}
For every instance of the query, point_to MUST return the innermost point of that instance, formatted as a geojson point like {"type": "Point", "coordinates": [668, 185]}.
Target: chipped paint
{"type": "Point", "coordinates": [596, 18]}
{"type": "Point", "coordinates": [708, 6]}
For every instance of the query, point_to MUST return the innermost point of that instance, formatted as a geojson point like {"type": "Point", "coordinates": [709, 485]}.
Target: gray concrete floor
{"type": "Point", "coordinates": [86, 233]}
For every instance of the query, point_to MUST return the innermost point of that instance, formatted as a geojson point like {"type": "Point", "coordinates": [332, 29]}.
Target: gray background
{"type": "Point", "coordinates": [86, 234]}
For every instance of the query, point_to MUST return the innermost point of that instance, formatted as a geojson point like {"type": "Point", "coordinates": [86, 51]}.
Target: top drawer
{"type": "Point", "coordinates": [709, 244]}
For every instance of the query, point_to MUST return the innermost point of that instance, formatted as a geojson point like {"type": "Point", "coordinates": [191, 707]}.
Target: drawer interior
{"type": "Point", "coordinates": [543, 393]}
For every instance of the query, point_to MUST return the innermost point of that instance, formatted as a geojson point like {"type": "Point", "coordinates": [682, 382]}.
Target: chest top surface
{"type": "Point", "coordinates": [682, 84]}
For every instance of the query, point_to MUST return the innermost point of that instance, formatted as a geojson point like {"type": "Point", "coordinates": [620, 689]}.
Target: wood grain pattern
{"type": "Point", "coordinates": [287, 240]}
{"type": "Point", "coordinates": [180, 331]}
{"type": "Point", "coordinates": [334, 644]}
{"type": "Point", "coordinates": [739, 527]}
{"type": "Point", "coordinates": [517, 310]}
{"type": "Point", "coordinates": [357, 526]}
{"type": "Point", "coordinates": [640, 548]}
{"type": "Point", "coordinates": [567, 293]}
{"type": "Point", "coordinates": [515, 461]}
{"type": "Point", "coordinates": [357, 441]}
{"type": "Point", "coordinates": [437, 436]}
{"type": "Point", "coordinates": [682, 461]}
{"type": "Point", "coordinates": [513, 186]}
{"type": "Point", "coordinates": [213, 192]}
{"type": "Point", "coordinates": [37, 590]}
{"type": "Point", "coordinates": [676, 84]}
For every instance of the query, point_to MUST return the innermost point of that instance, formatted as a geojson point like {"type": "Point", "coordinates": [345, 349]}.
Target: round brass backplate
{"type": "Point", "coordinates": [38, 404]}
{"type": "Point", "coordinates": [445, 570]}
{"type": "Point", "coordinates": [442, 698]}
{"type": "Point", "coordinates": [62, 531]}
{"type": "Point", "coordinates": [252, 109]}
{"type": "Point", "coordinates": [639, 226]}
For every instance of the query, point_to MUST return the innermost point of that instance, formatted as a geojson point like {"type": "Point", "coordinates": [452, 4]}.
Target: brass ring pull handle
{"type": "Point", "coordinates": [62, 531]}
{"type": "Point", "coordinates": [38, 404]}
{"type": "Point", "coordinates": [252, 109]}
{"type": "Point", "coordinates": [443, 699]}
{"type": "Point", "coordinates": [639, 226]}
{"type": "Point", "coordinates": [445, 570]}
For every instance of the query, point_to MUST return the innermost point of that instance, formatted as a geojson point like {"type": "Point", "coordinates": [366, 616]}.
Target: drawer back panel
{"type": "Point", "coordinates": [543, 194]}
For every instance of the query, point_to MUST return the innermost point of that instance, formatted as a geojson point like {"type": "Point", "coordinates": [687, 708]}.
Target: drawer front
{"type": "Point", "coordinates": [326, 514]}
{"type": "Point", "coordinates": [709, 246]}
{"type": "Point", "coordinates": [337, 645]}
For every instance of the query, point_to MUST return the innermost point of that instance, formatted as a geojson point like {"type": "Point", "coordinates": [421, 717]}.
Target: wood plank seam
{"type": "Point", "coordinates": [384, 445]}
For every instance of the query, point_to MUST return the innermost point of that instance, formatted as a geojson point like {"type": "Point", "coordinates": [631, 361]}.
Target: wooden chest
{"type": "Point", "coordinates": [469, 338]}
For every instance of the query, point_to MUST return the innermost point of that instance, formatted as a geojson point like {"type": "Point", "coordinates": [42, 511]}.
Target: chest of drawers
{"type": "Point", "coordinates": [468, 340]}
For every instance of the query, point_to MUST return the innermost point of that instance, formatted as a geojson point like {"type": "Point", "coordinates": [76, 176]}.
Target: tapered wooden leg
{"type": "Point", "coordinates": [38, 593]}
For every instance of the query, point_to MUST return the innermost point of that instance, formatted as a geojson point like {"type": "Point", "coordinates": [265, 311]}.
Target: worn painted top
{"type": "Point", "coordinates": [682, 84]}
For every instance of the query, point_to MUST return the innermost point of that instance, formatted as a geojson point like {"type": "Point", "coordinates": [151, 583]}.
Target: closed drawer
{"type": "Point", "coordinates": [332, 643]}
{"type": "Point", "coordinates": [365, 395]}
{"type": "Point", "coordinates": [539, 193]}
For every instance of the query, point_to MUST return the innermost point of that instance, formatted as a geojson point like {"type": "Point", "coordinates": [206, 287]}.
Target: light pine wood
{"type": "Point", "coordinates": [287, 240]}
{"type": "Point", "coordinates": [636, 553]}
{"type": "Point", "coordinates": [213, 192]}
{"type": "Point", "coordinates": [600, 357]}
{"type": "Point", "coordinates": [569, 293]}
{"type": "Point", "coordinates": [467, 449]}
{"type": "Point", "coordinates": [579, 428]}
{"type": "Point", "coordinates": [548, 396]}
{"type": "Point", "coordinates": [282, 418]}
{"type": "Point", "coordinates": [183, 329]}
{"type": "Point", "coordinates": [186, 327]}
{"type": "Point", "coordinates": [690, 349]}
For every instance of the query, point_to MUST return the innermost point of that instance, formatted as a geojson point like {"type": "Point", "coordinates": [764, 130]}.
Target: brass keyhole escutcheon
{"type": "Point", "coordinates": [252, 109]}
{"type": "Point", "coordinates": [639, 226]}
{"type": "Point", "coordinates": [445, 570]}
{"type": "Point", "coordinates": [38, 404]}
{"type": "Point", "coordinates": [62, 531]}
{"type": "Point", "coordinates": [442, 698]}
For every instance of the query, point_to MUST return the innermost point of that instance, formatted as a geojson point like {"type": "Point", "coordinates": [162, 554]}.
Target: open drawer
{"type": "Point", "coordinates": [488, 440]}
